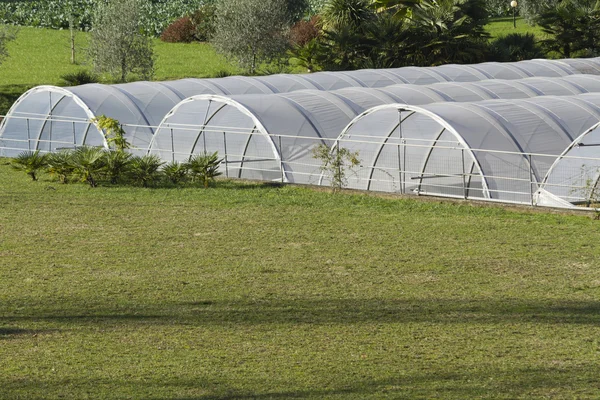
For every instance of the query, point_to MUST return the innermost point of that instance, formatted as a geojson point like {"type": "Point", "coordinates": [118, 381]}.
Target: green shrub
{"type": "Point", "coordinates": [204, 22]}
{"type": "Point", "coordinates": [175, 172]}
{"type": "Point", "coordinates": [60, 165]}
{"type": "Point", "coordinates": [88, 164]}
{"type": "Point", "coordinates": [145, 170]}
{"type": "Point", "coordinates": [31, 162]}
{"type": "Point", "coordinates": [81, 77]}
{"type": "Point", "coordinates": [204, 167]}
{"type": "Point", "coordinates": [515, 47]}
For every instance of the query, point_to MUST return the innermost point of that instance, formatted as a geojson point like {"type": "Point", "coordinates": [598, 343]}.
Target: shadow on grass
{"type": "Point", "coordinates": [328, 311]}
{"type": "Point", "coordinates": [505, 382]}
{"type": "Point", "coordinates": [9, 333]}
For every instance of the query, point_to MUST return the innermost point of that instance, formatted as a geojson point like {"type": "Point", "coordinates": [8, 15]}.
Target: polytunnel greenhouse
{"type": "Point", "coordinates": [49, 118]}
{"type": "Point", "coordinates": [272, 136]}
{"type": "Point", "coordinates": [494, 150]}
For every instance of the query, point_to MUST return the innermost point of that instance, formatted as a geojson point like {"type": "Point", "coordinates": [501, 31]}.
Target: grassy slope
{"type": "Point", "coordinates": [253, 291]}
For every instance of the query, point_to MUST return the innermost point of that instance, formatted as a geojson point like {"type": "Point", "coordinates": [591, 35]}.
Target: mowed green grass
{"type": "Point", "coordinates": [253, 291]}
{"type": "Point", "coordinates": [498, 27]}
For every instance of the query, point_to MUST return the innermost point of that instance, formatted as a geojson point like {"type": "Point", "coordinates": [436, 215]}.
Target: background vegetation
{"type": "Point", "coordinates": [253, 291]}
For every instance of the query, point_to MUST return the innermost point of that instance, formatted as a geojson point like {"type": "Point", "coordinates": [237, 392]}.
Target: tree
{"type": "Point", "coordinates": [117, 45]}
{"type": "Point", "coordinates": [573, 27]}
{"type": "Point", "coordinates": [251, 31]}
{"type": "Point", "coordinates": [6, 35]}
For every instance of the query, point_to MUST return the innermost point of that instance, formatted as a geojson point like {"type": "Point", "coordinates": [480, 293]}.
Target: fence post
{"type": "Point", "coordinates": [225, 158]}
{"type": "Point", "coordinates": [28, 136]}
{"type": "Point", "coordinates": [464, 182]}
{"type": "Point", "coordinates": [172, 147]}
{"type": "Point", "coordinates": [281, 161]}
{"type": "Point", "coordinates": [530, 180]}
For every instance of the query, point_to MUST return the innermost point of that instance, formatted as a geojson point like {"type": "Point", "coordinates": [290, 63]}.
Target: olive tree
{"type": "Point", "coordinates": [117, 44]}
{"type": "Point", "coordinates": [251, 31]}
{"type": "Point", "coordinates": [6, 35]}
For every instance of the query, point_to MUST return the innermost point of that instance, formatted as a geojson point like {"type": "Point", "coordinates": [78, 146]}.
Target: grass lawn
{"type": "Point", "coordinates": [255, 291]}
{"type": "Point", "coordinates": [504, 26]}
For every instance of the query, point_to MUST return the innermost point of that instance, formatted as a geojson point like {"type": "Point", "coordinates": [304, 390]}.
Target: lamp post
{"type": "Point", "coordinates": [514, 5]}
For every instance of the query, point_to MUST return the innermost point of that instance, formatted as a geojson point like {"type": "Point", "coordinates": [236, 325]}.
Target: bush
{"type": "Point", "coordinates": [180, 31]}
{"type": "Point", "coordinates": [304, 31]}
{"type": "Point", "coordinates": [204, 22]}
{"type": "Point", "coordinates": [79, 78]}
{"type": "Point", "coordinates": [515, 47]}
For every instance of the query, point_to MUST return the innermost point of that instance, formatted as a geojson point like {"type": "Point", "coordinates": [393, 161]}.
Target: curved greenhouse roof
{"type": "Point", "coordinates": [48, 117]}
{"type": "Point", "coordinates": [264, 134]}
{"type": "Point", "coordinates": [496, 150]}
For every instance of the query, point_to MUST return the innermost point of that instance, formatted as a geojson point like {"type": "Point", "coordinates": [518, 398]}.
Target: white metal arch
{"type": "Point", "coordinates": [52, 89]}
{"type": "Point", "coordinates": [258, 125]}
{"type": "Point", "coordinates": [419, 110]}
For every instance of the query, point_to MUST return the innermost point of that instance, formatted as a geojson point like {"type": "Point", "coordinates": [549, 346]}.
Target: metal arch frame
{"type": "Point", "coordinates": [435, 117]}
{"type": "Point", "coordinates": [562, 155]}
{"type": "Point", "coordinates": [66, 93]}
{"type": "Point", "coordinates": [230, 102]}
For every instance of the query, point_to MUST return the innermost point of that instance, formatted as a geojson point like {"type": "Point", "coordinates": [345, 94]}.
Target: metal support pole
{"type": "Point", "coordinates": [74, 135]}
{"type": "Point", "coordinates": [403, 166]}
{"type": "Point", "coordinates": [530, 179]}
{"type": "Point", "coordinates": [514, 18]}
{"type": "Point", "coordinates": [464, 182]}
{"type": "Point", "coordinates": [281, 161]}
{"type": "Point", "coordinates": [225, 158]}
{"type": "Point", "coordinates": [28, 136]}
{"type": "Point", "coordinates": [172, 147]}
{"type": "Point", "coordinates": [400, 169]}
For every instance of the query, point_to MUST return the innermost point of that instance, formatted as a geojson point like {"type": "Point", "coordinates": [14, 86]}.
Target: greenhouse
{"type": "Point", "coordinates": [494, 150]}
{"type": "Point", "coordinates": [272, 136]}
{"type": "Point", "coordinates": [574, 177]}
{"type": "Point", "coordinates": [48, 117]}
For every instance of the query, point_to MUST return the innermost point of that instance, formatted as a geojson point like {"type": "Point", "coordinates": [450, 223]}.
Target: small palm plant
{"type": "Point", "coordinates": [60, 165]}
{"type": "Point", "coordinates": [175, 171]}
{"type": "Point", "coordinates": [146, 169]}
{"type": "Point", "coordinates": [204, 167]}
{"type": "Point", "coordinates": [117, 165]}
{"type": "Point", "coordinates": [31, 162]}
{"type": "Point", "coordinates": [88, 164]}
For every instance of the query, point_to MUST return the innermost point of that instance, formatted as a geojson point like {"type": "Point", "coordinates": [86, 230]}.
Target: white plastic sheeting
{"type": "Point", "coordinates": [496, 150]}
{"type": "Point", "coordinates": [263, 135]}
{"type": "Point", "coordinates": [50, 111]}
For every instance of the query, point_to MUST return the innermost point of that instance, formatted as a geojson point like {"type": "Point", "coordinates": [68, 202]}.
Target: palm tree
{"type": "Point", "coordinates": [204, 167]}
{"type": "Point", "coordinates": [117, 164]}
{"type": "Point", "coordinates": [346, 13]}
{"type": "Point", "coordinates": [88, 164]}
{"type": "Point", "coordinates": [145, 169]}
{"type": "Point", "coordinates": [31, 162]}
{"type": "Point", "coordinates": [60, 164]}
{"type": "Point", "coordinates": [175, 171]}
